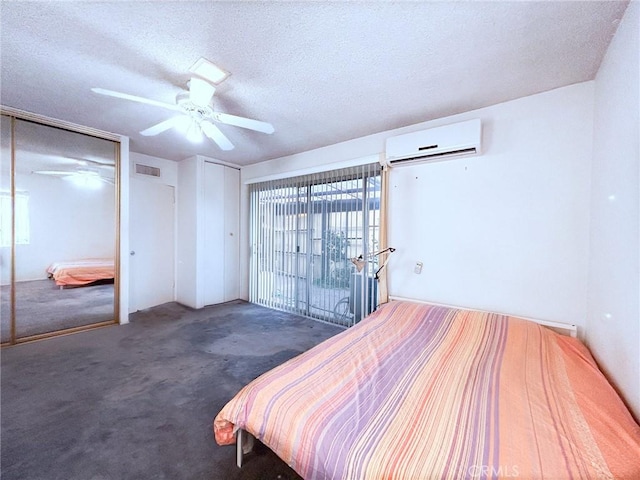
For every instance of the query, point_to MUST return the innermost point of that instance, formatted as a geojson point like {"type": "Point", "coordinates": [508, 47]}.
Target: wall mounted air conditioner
{"type": "Point", "coordinates": [440, 143]}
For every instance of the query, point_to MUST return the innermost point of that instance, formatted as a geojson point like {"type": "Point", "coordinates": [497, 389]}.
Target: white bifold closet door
{"type": "Point", "coordinates": [208, 230]}
{"type": "Point", "coordinates": [220, 253]}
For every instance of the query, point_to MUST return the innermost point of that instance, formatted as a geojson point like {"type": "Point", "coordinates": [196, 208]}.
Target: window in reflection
{"type": "Point", "coordinates": [22, 218]}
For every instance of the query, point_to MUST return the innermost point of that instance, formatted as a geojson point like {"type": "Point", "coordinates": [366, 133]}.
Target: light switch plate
{"type": "Point", "coordinates": [418, 268]}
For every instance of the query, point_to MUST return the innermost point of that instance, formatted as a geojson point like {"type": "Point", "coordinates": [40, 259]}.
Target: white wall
{"type": "Point", "coordinates": [505, 231]}
{"type": "Point", "coordinates": [189, 232]}
{"type": "Point", "coordinates": [168, 168]}
{"type": "Point", "coordinates": [66, 222]}
{"type": "Point", "coordinates": [613, 321]}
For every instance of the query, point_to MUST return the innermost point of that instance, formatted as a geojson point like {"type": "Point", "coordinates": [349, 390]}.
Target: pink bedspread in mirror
{"type": "Point", "coordinates": [82, 272]}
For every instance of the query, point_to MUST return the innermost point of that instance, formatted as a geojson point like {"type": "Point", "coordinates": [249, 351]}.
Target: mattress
{"type": "Point", "coordinates": [418, 392]}
{"type": "Point", "coordinates": [81, 272]}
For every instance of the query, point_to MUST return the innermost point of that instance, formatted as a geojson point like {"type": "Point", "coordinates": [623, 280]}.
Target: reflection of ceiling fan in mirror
{"type": "Point", "coordinates": [87, 173]}
{"type": "Point", "coordinates": [197, 114]}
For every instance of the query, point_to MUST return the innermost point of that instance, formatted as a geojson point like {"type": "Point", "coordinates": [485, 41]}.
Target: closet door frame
{"type": "Point", "coordinates": [121, 159]}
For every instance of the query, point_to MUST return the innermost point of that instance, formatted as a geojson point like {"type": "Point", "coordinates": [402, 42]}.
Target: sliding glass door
{"type": "Point", "coordinates": [304, 231]}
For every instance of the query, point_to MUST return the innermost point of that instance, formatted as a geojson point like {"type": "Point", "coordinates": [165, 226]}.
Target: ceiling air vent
{"type": "Point", "coordinates": [147, 170]}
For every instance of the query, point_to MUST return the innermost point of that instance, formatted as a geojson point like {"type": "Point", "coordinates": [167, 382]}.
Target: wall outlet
{"type": "Point", "coordinates": [418, 268]}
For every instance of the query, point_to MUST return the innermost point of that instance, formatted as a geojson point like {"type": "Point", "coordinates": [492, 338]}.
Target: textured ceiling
{"type": "Point", "coordinates": [320, 72]}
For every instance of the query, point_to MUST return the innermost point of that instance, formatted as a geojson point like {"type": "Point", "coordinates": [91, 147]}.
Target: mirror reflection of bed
{"type": "Point", "coordinates": [65, 231]}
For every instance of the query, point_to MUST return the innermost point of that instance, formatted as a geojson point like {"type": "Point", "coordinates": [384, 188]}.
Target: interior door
{"type": "Point", "coordinates": [152, 242]}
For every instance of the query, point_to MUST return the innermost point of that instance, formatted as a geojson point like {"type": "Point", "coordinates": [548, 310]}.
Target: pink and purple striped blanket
{"type": "Point", "coordinates": [419, 392]}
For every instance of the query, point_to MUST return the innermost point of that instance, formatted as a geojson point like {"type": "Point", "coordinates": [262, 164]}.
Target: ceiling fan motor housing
{"type": "Point", "coordinates": [198, 112]}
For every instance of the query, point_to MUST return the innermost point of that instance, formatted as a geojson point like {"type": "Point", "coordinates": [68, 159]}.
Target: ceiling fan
{"type": "Point", "coordinates": [83, 173]}
{"type": "Point", "coordinates": [197, 115]}
{"type": "Point", "coordinates": [81, 176]}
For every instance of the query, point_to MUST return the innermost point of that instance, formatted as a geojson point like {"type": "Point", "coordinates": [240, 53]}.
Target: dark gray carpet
{"type": "Point", "coordinates": [41, 307]}
{"type": "Point", "coordinates": [137, 401]}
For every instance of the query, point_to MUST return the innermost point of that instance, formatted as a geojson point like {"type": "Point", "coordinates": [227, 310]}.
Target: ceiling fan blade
{"type": "Point", "coordinates": [164, 126]}
{"type": "Point", "coordinates": [106, 163]}
{"type": "Point", "coordinates": [200, 92]}
{"type": "Point", "coordinates": [214, 133]}
{"type": "Point", "coordinates": [242, 122]}
{"type": "Point", "coordinates": [101, 164]}
{"type": "Point", "coordinates": [133, 98]}
{"type": "Point", "coordinates": [59, 173]}
{"type": "Point", "coordinates": [84, 161]}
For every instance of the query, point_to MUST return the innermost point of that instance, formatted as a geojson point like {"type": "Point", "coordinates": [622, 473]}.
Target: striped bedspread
{"type": "Point", "coordinates": [421, 392]}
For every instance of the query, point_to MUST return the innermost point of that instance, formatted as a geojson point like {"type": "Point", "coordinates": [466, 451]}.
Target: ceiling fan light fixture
{"type": "Point", "coordinates": [206, 69]}
{"type": "Point", "coordinates": [85, 179]}
{"type": "Point", "coordinates": [196, 107]}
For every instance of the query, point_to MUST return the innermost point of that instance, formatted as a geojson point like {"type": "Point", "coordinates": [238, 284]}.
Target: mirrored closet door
{"type": "Point", "coordinates": [59, 230]}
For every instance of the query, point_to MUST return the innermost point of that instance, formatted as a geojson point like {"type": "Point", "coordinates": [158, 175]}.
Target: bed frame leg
{"type": "Point", "coordinates": [244, 444]}
{"type": "Point", "coordinates": [239, 435]}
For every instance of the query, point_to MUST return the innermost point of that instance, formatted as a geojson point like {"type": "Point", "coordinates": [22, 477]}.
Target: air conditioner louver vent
{"type": "Point", "coordinates": [147, 170]}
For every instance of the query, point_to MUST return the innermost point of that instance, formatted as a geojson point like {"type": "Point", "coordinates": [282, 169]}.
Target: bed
{"type": "Point", "coordinates": [420, 391]}
{"type": "Point", "coordinates": [81, 272]}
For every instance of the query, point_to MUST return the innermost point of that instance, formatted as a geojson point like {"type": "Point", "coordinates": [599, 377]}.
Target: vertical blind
{"type": "Point", "coordinates": [304, 231]}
